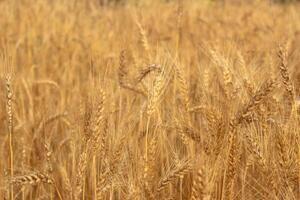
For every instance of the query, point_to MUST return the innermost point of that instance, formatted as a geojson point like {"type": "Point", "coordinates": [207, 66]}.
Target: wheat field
{"type": "Point", "coordinates": [149, 100]}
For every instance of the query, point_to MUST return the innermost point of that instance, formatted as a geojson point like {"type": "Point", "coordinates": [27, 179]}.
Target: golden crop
{"type": "Point", "coordinates": [149, 100]}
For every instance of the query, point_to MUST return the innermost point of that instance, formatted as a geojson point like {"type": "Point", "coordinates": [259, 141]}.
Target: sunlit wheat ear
{"type": "Point", "coordinates": [9, 111]}
{"type": "Point", "coordinates": [98, 123]}
{"type": "Point", "coordinates": [81, 172]}
{"type": "Point", "coordinates": [123, 71]}
{"type": "Point", "coordinates": [48, 151]}
{"type": "Point", "coordinates": [117, 155]}
{"type": "Point", "coordinates": [87, 120]}
{"type": "Point", "coordinates": [198, 186]}
{"type": "Point", "coordinates": [282, 149]}
{"type": "Point", "coordinates": [123, 75]}
{"type": "Point", "coordinates": [231, 167]}
{"type": "Point", "coordinates": [179, 130]}
{"type": "Point", "coordinates": [206, 79]}
{"type": "Point", "coordinates": [9, 96]}
{"type": "Point", "coordinates": [255, 149]}
{"type": "Point", "coordinates": [241, 61]}
{"type": "Point", "coordinates": [149, 169]}
{"type": "Point", "coordinates": [249, 87]}
{"type": "Point", "coordinates": [183, 86]}
{"type": "Point", "coordinates": [104, 180]}
{"type": "Point", "coordinates": [144, 38]}
{"type": "Point", "coordinates": [103, 184]}
{"type": "Point", "coordinates": [259, 96]}
{"type": "Point", "coordinates": [248, 82]}
{"type": "Point", "coordinates": [282, 54]}
{"type": "Point", "coordinates": [66, 182]}
{"type": "Point", "coordinates": [149, 166]}
{"type": "Point", "coordinates": [159, 86]}
{"type": "Point", "coordinates": [179, 169]}
{"type": "Point", "coordinates": [190, 132]}
{"type": "Point", "coordinates": [31, 179]}
{"type": "Point", "coordinates": [224, 64]}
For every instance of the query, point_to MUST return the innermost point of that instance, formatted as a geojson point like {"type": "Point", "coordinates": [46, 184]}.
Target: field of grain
{"type": "Point", "coordinates": [149, 100]}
